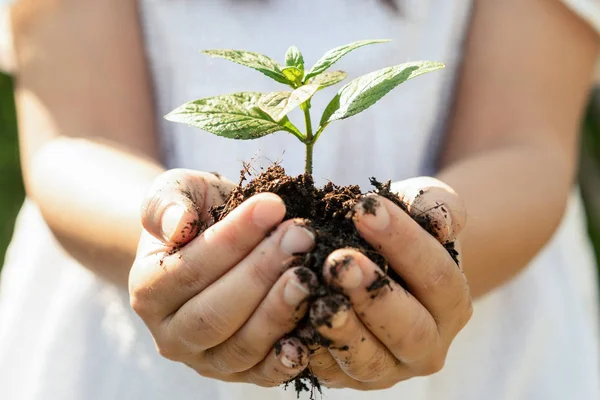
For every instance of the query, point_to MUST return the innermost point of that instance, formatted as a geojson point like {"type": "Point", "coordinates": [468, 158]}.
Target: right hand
{"type": "Point", "coordinates": [221, 301]}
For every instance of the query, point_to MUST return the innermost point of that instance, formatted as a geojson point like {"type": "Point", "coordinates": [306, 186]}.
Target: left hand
{"type": "Point", "coordinates": [390, 334]}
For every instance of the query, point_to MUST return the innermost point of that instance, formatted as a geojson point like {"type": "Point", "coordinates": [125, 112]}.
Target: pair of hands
{"type": "Point", "coordinates": [225, 301]}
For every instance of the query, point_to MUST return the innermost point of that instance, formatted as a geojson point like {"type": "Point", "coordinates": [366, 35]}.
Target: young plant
{"type": "Point", "coordinates": [251, 115]}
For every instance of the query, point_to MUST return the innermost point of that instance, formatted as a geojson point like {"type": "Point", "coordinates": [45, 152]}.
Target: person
{"type": "Point", "coordinates": [499, 125]}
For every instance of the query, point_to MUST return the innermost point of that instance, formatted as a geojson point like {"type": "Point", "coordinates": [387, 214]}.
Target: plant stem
{"type": "Point", "coordinates": [309, 155]}
{"type": "Point", "coordinates": [309, 143]}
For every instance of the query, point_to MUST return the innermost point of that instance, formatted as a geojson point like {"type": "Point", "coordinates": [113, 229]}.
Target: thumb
{"type": "Point", "coordinates": [176, 206]}
{"type": "Point", "coordinates": [430, 198]}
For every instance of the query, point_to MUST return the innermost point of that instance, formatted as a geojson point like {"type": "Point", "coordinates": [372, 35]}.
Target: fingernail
{"type": "Point", "coordinates": [287, 361]}
{"type": "Point", "coordinates": [331, 311]}
{"type": "Point", "coordinates": [297, 239]}
{"type": "Point", "coordinates": [290, 353]}
{"type": "Point", "coordinates": [372, 213]}
{"type": "Point", "coordinates": [347, 273]}
{"type": "Point", "coordinates": [295, 292]}
{"type": "Point", "coordinates": [265, 214]}
{"type": "Point", "coordinates": [438, 222]}
{"type": "Point", "coordinates": [339, 319]}
{"type": "Point", "coordinates": [171, 219]}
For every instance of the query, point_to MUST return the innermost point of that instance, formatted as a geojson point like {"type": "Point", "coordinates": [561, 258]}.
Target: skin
{"type": "Point", "coordinates": [517, 131]}
{"type": "Point", "coordinates": [96, 161]}
{"type": "Point", "coordinates": [510, 152]}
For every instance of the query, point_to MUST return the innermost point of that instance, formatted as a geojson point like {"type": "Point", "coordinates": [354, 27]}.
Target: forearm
{"type": "Point", "coordinates": [512, 141]}
{"type": "Point", "coordinates": [90, 196]}
{"type": "Point", "coordinates": [515, 196]}
{"type": "Point", "coordinates": [81, 80]}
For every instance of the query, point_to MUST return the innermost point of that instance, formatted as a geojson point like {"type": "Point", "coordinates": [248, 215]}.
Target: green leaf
{"type": "Point", "coordinates": [293, 74]}
{"type": "Point", "coordinates": [363, 92]}
{"type": "Point", "coordinates": [333, 55]}
{"type": "Point", "coordinates": [328, 78]}
{"type": "Point", "coordinates": [293, 58]}
{"type": "Point", "coordinates": [291, 128]}
{"type": "Point", "coordinates": [278, 104]}
{"type": "Point", "coordinates": [259, 62]}
{"type": "Point", "coordinates": [234, 116]}
{"type": "Point", "coordinates": [274, 104]}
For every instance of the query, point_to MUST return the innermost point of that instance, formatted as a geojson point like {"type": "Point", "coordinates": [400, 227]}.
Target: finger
{"type": "Point", "coordinates": [434, 203]}
{"type": "Point", "coordinates": [327, 371]}
{"type": "Point", "coordinates": [161, 282]}
{"type": "Point", "coordinates": [215, 314]}
{"type": "Point", "coordinates": [322, 365]}
{"type": "Point", "coordinates": [429, 272]}
{"type": "Point", "coordinates": [178, 202]}
{"type": "Point", "coordinates": [307, 334]}
{"type": "Point", "coordinates": [276, 316]}
{"type": "Point", "coordinates": [391, 314]}
{"type": "Point", "coordinates": [356, 350]}
{"type": "Point", "coordinates": [283, 363]}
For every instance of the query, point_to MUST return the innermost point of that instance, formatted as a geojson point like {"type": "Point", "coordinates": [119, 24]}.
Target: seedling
{"type": "Point", "coordinates": [251, 115]}
{"type": "Point", "coordinates": [328, 210]}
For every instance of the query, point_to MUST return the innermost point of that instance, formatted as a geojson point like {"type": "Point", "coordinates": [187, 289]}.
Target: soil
{"type": "Point", "coordinates": [328, 212]}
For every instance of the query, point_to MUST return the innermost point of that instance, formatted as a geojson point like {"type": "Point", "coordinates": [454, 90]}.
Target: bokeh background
{"type": "Point", "coordinates": [11, 184]}
{"type": "Point", "coordinates": [12, 192]}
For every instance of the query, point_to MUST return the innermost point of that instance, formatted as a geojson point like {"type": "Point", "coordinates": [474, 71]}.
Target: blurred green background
{"type": "Point", "coordinates": [11, 186]}
{"type": "Point", "coordinates": [589, 171]}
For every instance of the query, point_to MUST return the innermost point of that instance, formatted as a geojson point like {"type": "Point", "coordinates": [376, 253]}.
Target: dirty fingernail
{"type": "Point", "coordinates": [331, 311]}
{"type": "Point", "coordinates": [171, 219]}
{"type": "Point", "coordinates": [339, 319]}
{"type": "Point", "coordinates": [291, 353]}
{"type": "Point", "coordinates": [347, 273]}
{"type": "Point", "coordinates": [297, 239]}
{"type": "Point", "coordinates": [287, 361]}
{"type": "Point", "coordinates": [372, 213]}
{"type": "Point", "coordinates": [437, 221]}
{"type": "Point", "coordinates": [295, 292]}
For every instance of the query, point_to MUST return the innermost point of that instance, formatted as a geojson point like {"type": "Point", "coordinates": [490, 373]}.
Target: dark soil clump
{"type": "Point", "coordinates": [328, 211]}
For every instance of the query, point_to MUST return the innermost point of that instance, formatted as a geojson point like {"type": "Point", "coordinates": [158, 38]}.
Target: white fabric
{"type": "Point", "coordinates": [589, 10]}
{"type": "Point", "coordinates": [6, 44]}
{"type": "Point", "coordinates": [64, 334]}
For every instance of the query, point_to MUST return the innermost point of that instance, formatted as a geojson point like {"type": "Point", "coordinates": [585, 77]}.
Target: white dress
{"type": "Point", "coordinates": [67, 335]}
